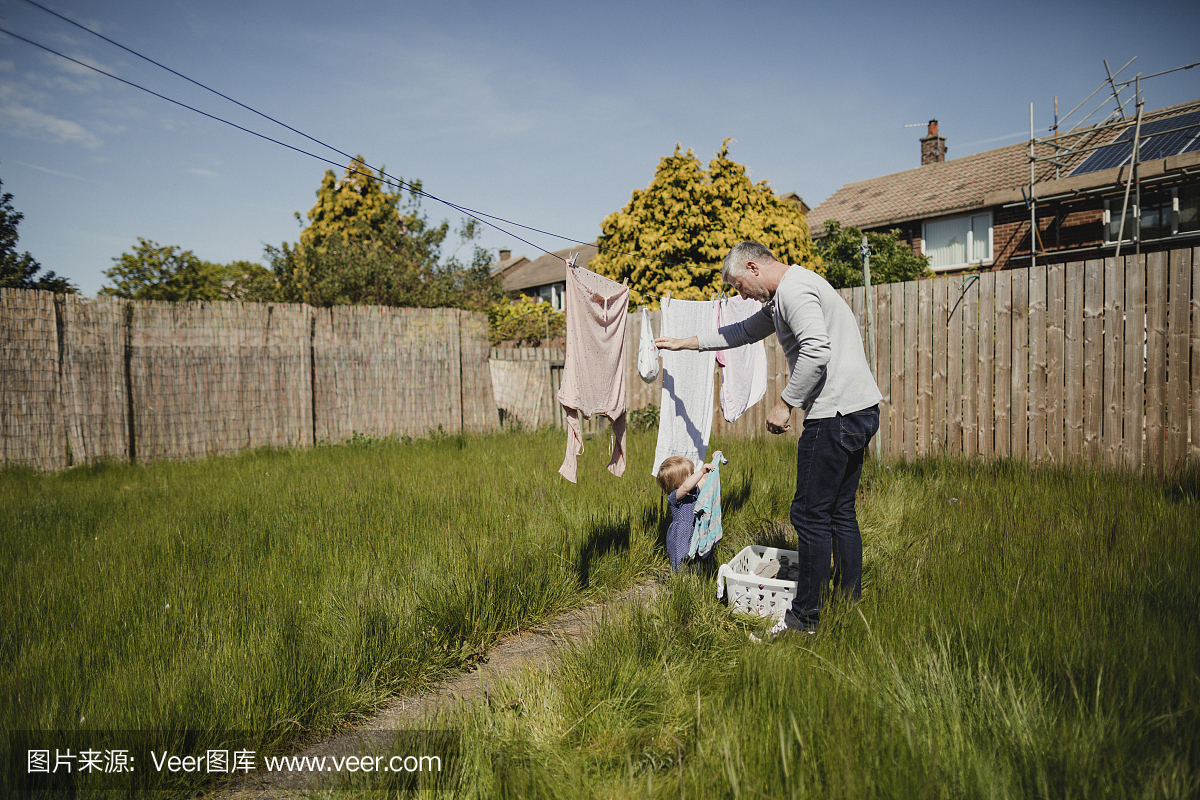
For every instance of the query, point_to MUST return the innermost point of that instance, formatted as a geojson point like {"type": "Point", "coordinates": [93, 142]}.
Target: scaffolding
{"type": "Point", "coordinates": [1068, 150]}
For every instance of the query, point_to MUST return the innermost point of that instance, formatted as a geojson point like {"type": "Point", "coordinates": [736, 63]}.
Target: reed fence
{"type": "Point", "coordinates": [83, 380]}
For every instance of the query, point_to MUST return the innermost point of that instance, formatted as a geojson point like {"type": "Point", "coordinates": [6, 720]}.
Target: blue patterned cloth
{"type": "Point", "coordinates": [708, 530]}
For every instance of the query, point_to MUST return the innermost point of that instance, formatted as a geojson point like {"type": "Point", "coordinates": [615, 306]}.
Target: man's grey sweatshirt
{"type": "Point", "coordinates": [819, 335]}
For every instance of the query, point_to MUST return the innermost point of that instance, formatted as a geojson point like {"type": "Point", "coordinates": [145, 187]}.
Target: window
{"type": "Point", "coordinates": [552, 294]}
{"type": "Point", "coordinates": [1188, 207]}
{"type": "Point", "coordinates": [1163, 214]}
{"type": "Point", "coordinates": [958, 241]}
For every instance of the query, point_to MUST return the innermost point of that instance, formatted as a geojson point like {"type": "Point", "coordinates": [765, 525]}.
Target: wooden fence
{"type": "Point", "coordinates": [83, 380]}
{"type": "Point", "coordinates": [1095, 361]}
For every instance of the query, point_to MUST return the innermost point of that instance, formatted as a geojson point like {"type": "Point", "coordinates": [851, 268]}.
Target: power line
{"type": "Point", "coordinates": [401, 183]}
{"type": "Point", "coordinates": [474, 214]}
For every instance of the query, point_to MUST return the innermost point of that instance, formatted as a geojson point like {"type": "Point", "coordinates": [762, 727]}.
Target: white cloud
{"type": "Point", "coordinates": [21, 120]}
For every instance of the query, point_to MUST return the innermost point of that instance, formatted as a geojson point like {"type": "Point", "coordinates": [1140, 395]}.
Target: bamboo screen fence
{"type": "Point", "coordinates": [1095, 361]}
{"type": "Point", "coordinates": [83, 380]}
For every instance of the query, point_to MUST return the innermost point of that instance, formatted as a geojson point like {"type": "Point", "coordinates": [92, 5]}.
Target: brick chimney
{"type": "Point", "coordinates": [505, 255]}
{"type": "Point", "coordinates": [933, 147]}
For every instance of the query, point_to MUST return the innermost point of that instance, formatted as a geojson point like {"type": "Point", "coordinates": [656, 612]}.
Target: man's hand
{"type": "Point", "coordinates": [667, 343]}
{"type": "Point", "coordinates": [779, 418]}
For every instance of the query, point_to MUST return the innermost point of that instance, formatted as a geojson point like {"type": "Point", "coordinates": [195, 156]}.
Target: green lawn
{"type": "Point", "coordinates": [1023, 632]}
{"type": "Point", "coordinates": [288, 593]}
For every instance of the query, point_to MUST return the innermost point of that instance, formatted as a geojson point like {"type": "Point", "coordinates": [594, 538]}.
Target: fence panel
{"type": "Point", "coordinates": [1037, 364]}
{"type": "Point", "coordinates": [954, 373]}
{"type": "Point", "coordinates": [478, 402]}
{"type": "Point", "coordinates": [386, 372]}
{"type": "Point", "coordinates": [970, 366]}
{"type": "Point", "coordinates": [1019, 395]}
{"type": "Point", "coordinates": [1156, 360]}
{"type": "Point", "coordinates": [1134, 394]}
{"type": "Point", "coordinates": [896, 378]}
{"type": "Point", "coordinates": [1194, 452]}
{"type": "Point", "coordinates": [1004, 365]}
{"type": "Point", "coordinates": [95, 395]}
{"type": "Point", "coordinates": [883, 367]}
{"type": "Point", "coordinates": [1056, 354]}
{"type": "Point", "coordinates": [1114, 360]}
{"type": "Point", "coordinates": [985, 403]}
{"type": "Point", "coordinates": [31, 419]}
{"type": "Point", "coordinates": [1093, 360]}
{"type": "Point", "coordinates": [1073, 379]}
{"type": "Point", "coordinates": [938, 440]}
{"type": "Point", "coordinates": [924, 366]}
{"type": "Point", "coordinates": [1178, 363]}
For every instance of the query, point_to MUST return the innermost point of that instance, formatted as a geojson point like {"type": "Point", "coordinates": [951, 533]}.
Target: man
{"type": "Point", "coordinates": [832, 384]}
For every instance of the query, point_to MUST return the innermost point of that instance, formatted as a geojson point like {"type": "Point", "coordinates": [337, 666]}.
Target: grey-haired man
{"type": "Point", "coordinates": [832, 383]}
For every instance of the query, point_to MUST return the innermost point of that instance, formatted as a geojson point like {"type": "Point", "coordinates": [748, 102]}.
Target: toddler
{"type": "Point", "coordinates": [679, 478]}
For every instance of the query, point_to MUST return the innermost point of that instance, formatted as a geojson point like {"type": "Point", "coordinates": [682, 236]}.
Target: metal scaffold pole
{"type": "Point", "coordinates": [1032, 196]}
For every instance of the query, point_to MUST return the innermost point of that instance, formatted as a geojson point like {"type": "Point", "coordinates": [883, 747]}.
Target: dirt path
{"type": "Point", "coordinates": [533, 648]}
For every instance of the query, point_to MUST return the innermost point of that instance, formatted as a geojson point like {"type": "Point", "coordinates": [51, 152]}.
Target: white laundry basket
{"type": "Point", "coordinates": [752, 594]}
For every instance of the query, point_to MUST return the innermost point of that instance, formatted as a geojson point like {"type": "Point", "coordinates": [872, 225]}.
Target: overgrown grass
{"type": "Point", "coordinates": [1022, 633]}
{"type": "Point", "coordinates": [288, 593]}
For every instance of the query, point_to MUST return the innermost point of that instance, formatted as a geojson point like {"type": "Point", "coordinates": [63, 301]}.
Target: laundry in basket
{"type": "Point", "coordinates": [745, 583]}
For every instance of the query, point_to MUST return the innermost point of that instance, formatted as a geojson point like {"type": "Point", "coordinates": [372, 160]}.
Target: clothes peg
{"type": "Point", "coordinates": [667, 300]}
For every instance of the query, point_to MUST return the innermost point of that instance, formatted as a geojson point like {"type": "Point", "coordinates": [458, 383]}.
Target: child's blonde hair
{"type": "Point", "coordinates": [674, 471]}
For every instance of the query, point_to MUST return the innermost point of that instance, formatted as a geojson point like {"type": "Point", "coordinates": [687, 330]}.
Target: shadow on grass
{"type": "Point", "coordinates": [737, 495]}
{"type": "Point", "coordinates": [604, 536]}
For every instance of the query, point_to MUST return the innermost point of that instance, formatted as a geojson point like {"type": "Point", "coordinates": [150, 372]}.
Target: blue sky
{"type": "Point", "coordinates": [547, 113]}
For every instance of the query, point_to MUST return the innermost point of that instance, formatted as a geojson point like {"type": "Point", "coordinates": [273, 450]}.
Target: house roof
{"type": "Point", "coordinates": [548, 268]}
{"type": "Point", "coordinates": [502, 266]}
{"type": "Point", "coordinates": [960, 184]}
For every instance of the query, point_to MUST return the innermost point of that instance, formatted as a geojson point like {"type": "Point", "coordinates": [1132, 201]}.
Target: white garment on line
{"type": "Point", "coordinates": [686, 410]}
{"type": "Point", "coordinates": [647, 352]}
{"type": "Point", "coordinates": [744, 376]}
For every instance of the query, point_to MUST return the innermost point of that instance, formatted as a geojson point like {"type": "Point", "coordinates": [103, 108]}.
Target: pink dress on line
{"type": "Point", "coordinates": [593, 379]}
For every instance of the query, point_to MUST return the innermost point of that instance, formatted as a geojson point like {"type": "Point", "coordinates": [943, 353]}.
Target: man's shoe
{"type": "Point", "coordinates": [778, 631]}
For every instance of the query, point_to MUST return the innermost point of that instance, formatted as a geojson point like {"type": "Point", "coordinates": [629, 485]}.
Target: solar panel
{"type": "Point", "coordinates": [1160, 138]}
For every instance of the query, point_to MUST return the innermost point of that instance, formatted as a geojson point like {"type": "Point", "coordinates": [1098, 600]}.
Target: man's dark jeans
{"type": "Point", "coordinates": [829, 459]}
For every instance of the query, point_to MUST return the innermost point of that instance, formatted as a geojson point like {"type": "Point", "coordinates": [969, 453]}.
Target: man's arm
{"type": "Point", "coordinates": [667, 343]}
{"type": "Point", "coordinates": [800, 307]}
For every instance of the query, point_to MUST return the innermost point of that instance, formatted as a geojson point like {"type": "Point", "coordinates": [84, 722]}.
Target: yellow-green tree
{"type": "Point", "coordinates": [364, 246]}
{"type": "Point", "coordinates": [356, 206]}
{"type": "Point", "coordinates": [674, 234]}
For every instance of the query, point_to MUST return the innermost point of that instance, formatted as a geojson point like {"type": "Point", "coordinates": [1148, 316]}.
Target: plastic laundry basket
{"type": "Point", "coordinates": [752, 594]}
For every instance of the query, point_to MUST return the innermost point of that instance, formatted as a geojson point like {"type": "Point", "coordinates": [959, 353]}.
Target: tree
{"type": "Point", "coordinates": [20, 271]}
{"type": "Point", "coordinates": [155, 272]}
{"type": "Point", "coordinates": [892, 261]}
{"type": "Point", "coordinates": [674, 234]}
{"type": "Point", "coordinates": [360, 206]}
{"type": "Point", "coordinates": [366, 245]}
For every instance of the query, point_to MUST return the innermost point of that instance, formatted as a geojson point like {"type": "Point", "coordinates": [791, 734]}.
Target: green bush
{"type": "Point", "coordinates": [526, 322]}
{"type": "Point", "coordinates": [644, 418]}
